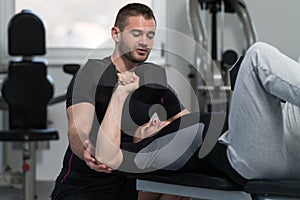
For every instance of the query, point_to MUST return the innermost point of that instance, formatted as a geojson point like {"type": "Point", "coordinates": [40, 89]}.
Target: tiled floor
{"type": "Point", "coordinates": [43, 188]}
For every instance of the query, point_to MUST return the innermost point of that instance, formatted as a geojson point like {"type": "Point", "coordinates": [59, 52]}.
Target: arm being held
{"type": "Point", "coordinates": [109, 136]}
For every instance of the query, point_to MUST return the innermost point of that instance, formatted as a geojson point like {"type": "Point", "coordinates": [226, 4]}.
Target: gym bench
{"type": "Point", "coordinates": [218, 188]}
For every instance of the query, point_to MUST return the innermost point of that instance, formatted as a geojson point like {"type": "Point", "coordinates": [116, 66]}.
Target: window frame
{"type": "Point", "coordinates": [58, 56]}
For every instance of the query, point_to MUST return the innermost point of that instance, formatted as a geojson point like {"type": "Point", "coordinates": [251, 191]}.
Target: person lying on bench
{"type": "Point", "coordinates": [262, 141]}
{"type": "Point", "coordinates": [108, 142]}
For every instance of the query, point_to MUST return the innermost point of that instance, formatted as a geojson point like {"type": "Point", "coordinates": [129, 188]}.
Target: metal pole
{"type": "Point", "coordinates": [29, 174]}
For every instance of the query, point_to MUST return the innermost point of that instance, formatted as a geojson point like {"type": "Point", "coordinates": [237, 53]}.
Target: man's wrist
{"type": "Point", "coordinates": [121, 91]}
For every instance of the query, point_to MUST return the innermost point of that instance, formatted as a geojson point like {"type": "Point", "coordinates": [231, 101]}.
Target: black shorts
{"type": "Point", "coordinates": [218, 159]}
{"type": "Point", "coordinates": [111, 188]}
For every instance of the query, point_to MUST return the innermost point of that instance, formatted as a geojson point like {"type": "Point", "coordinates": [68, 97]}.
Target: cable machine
{"type": "Point", "coordinates": [210, 76]}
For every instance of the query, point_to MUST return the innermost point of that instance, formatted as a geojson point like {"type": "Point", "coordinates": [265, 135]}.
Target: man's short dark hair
{"type": "Point", "coordinates": [132, 9]}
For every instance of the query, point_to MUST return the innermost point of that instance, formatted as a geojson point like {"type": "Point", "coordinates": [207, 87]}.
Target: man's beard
{"type": "Point", "coordinates": [132, 58]}
{"type": "Point", "coordinates": [129, 54]}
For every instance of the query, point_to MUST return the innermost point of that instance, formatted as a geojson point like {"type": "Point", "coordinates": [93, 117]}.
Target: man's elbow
{"type": "Point", "coordinates": [111, 160]}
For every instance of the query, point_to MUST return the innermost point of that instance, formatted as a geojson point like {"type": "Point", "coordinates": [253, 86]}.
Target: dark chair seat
{"type": "Point", "coordinates": [27, 135]}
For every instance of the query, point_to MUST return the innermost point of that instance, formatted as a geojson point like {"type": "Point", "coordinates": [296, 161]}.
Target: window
{"type": "Point", "coordinates": [74, 24]}
{"type": "Point", "coordinates": [74, 27]}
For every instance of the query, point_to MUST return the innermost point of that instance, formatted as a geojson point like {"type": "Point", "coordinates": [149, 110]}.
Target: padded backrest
{"type": "Point", "coordinates": [26, 35]}
{"type": "Point", "coordinates": [27, 91]}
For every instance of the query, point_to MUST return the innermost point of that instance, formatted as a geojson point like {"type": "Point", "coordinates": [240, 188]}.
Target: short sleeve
{"type": "Point", "coordinates": [84, 84]}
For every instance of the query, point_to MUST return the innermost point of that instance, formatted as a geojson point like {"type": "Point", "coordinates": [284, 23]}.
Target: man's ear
{"type": "Point", "coordinates": [115, 34]}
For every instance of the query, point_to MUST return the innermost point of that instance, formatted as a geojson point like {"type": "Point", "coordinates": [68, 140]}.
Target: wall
{"type": "Point", "coordinates": [277, 22]}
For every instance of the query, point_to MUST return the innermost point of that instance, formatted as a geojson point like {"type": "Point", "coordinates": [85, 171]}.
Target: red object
{"type": "Point", "coordinates": [26, 167]}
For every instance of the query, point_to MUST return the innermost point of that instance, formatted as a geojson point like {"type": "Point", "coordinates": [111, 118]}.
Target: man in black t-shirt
{"type": "Point", "coordinates": [88, 97]}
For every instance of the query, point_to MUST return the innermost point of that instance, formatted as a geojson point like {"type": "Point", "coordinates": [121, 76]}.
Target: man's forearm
{"type": "Point", "coordinates": [76, 143]}
{"type": "Point", "coordinates": [109, 137]}
{"type": "Point", "coordinates": [80, 118]}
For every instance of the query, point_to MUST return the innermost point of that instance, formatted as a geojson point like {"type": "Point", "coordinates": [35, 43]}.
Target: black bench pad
{"type": "Point", "coordinates": [194, 180]}
{"type": "Point", "coordinates": [271, 187]}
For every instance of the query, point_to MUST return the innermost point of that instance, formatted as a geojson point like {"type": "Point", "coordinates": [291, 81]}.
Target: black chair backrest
{"type": "Point", "coordinates": [26, 35]}
{"type": "Point", "coordinates": [27, 89]}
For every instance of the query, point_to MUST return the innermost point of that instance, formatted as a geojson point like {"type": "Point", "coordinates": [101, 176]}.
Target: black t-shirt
{"type": "Point", "coordinates": [95, 83]}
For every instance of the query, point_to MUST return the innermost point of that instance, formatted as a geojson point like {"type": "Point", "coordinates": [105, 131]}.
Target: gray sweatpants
{"type": "Point", "coordinates": [264, 135]}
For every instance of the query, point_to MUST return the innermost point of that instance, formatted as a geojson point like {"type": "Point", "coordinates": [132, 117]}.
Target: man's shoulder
{"type": "Point", "coordinates": [149, 64]}
{"type": "Point", "coordinates": [98, 62]}
{"type": "Point", "coordinates": [96, 66]}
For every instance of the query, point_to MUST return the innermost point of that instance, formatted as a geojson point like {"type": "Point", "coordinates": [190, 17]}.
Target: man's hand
{"type": "Point", "coordinates": [129, 81]}
{"type": "Point", "coordinates": [91, 161]}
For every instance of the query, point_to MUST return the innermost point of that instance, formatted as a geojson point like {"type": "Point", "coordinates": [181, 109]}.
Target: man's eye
{"type": "Point", "coordinates": [136, 34]}
{"type": "Point", "coordinates": [150, 35]}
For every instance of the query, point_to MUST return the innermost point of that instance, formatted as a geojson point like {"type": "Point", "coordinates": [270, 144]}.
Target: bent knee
{"type": "Point", "coordinates": [261, 48]}
{"type": "Point", "coordinates": [260, 52]}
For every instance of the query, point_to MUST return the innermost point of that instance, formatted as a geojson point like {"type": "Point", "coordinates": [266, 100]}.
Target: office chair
{"type": "Point", "coordinates": [27, 89]}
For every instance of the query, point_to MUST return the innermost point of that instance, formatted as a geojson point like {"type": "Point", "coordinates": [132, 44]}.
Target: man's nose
{"type": "Point", "coordinates": [143, 44]}
{"type": "Point", "coordinates": [155, 121]}
{"type": "Point", "coordinates": [143, 41]}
